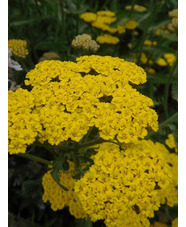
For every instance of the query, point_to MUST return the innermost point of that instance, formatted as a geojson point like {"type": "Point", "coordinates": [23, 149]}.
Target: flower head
{"type": "Point", "coordinates": [85, 43]}
{"type": "Point", "coordinates": [18, 47]}
{"type": "Point", "coordinates": [125, 186]}
{"type": "Point", "coordinates": [60, 198]}
{"type": "Point", "coordinates": [96, 91]}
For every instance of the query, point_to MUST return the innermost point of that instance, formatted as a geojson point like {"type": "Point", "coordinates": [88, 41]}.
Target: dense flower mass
{"type": "Point", "coordinates": [85, 42]}
{"type": "Point", "coordinates": [23, 124]}
{"type": "Point", "coordinates": [18, 47]}
{"type": "Point", "coordinates": [170, 142]}
{"type": "Point", "coordinates": [106, 38]}
{"type": "Point", "coordinates": [125, 186]}
{"type": "Point", "coordinates": [95, 91]}
{"type": "Point", "coordinates": [49, 56]}
{"type": "Point", "coordinates": [137, 8]}
{"type": "Point", "coordinates": [60, 198]}
{"type": "Point", "coordinates": [168, 59]}
{"type": "Point", "coordinates": [131, 24]}
{"type": "Point", "coordinates": [101, 20]}
{"type": "Point", "coordinates": [175, 223]}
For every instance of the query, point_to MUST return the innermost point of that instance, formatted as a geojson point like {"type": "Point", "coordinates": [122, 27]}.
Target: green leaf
{"type": "Point", "coordinates": [86, 159]}
{"type": "Point", "coordinates": [57, 166]}
{"type": "Point", "coordinates": [158, 78]}
{"type": "Point", "coordinates": [28, 21]}
{"type": "Point", "coordinates": [170, 37]}
{"type": "Point", "coordinates": [77, 176]}
{"type": "Point", "coordinates": [80, 11]}
{"type": "Point", "coordinates": [65, 165]}
{"type": "Point", "coordinates": [55, 176]}
{"type": "Point", "coordinates": [175, 91]}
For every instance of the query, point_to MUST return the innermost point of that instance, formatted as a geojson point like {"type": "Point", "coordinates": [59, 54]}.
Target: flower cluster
{"type": "Point", "coordinates": [145, 61]}
{"type": "Point", "coordinates": [137, 8]}
{"type": "Point", "coordinates": [23, 124]}
{"type": "Point", "coordinates": [102, 20]}
{"type": "Point", "coordinates": [60, 198]}
{"type": "Point", "coordinates": [173, 26]}
{"type": "Point", "coordinates": [85, 43]}
{"type": "Point", "coordinates": [170, 142]}
{"type": "Point", "coordinates": [175, 223]}
{"type": "Point", "coordinates": [49, 56]}
{"type": "Point", "coordinates": [18, 47]}
{"type": "Point", "coordinates": [150, 43]}
{"type": "Point", "coordinates": [168, 59]}
{"type": "Point", "coordinates": [126, 185]}
{"type": "Point", "coordinates": [96, 91]}
{"type": "Point", "coordinates": [106, 38]}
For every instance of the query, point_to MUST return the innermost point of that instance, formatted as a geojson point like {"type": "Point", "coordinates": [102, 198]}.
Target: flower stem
{"type": "Point", "coordinates": [88, 223]}
{"type": "Point", "coordinates": [132, 8]}
{"type": "Point", "coordinates": [92, 142]}
{"type": "Point", "coordinates": [148, 23]}
{"type": "Point", "coordinates": [167, 87]}
{"type": "Point", "coordinates": [35, 158]}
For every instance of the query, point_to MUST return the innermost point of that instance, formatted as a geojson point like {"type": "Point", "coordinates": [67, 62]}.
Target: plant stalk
{"type": "Point", "coordinates": [35, 158]}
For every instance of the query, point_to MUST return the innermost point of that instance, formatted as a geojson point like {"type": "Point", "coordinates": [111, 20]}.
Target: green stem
{"type": "Point", "coordinates": [61, 25]}
{"type": "Point", "coordinates": [132, 8]}
{"type": "Point", "coordinates": [163, 124]}
{"type": "Point", "coordinates": [167, 87]}
{"type": "Point", "coordinates": [38, 9]}
{"type": "Point", "coordinates": [85, 137]}
{"type": "Point", "coordinates": [35, 158]}
{"type": "Point", "coordinates": [148, 23]}
{"type": "Point", "coordinates": [88, 223]}
{"type": "Point", "coordinates": [92, 142]}
{"type": "Point", "coordinates": [77, 17]}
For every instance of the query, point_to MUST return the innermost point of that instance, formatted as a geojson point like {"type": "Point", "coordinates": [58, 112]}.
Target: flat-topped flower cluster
{"type": "Point", "coordinates": [124, 186]}
{"type": "Point", "coordinates": [68, 98]}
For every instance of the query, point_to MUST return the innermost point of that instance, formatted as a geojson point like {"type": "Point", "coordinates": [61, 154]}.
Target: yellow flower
{"type": "Point", "coordinates": [49, 56]}
{"type": "Point", "coordinates": [170, 142]}
{"type": "Point", "coordinates": [106, 38]}
{"type": "Point", "coordinates": [72, 97]}
{"type": "Point", "coordinates": [88, 16]}
{"type": "Point", "coordinates": [170, 58]}
{"type": "Point", "coordinates": [173, 13]}
{"type": "Point", "coordinates": [161, 62]}
{"type": "Point", "coordinates": [85, 43]}
{"type": "Point", "coordinates": [148, 43]}
{"type": "Point", "coordinates": [18, 47]}
{"type": "Point", "coordinates": [131, 24]}
{"type": "Point", "coordinates": [126, 185]}
{"type": "Point", "coordinates": [60, 198]}
{"type": "Point", "coordinates": [175, 223]}
{"type": "Point", "coordinates": [137, 8]}
{"type": "Point", "coordinates": [150, 70]}
{"type": "Point", "coordinates": [23, 124]}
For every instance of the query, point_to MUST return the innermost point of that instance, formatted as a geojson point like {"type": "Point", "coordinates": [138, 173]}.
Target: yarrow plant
{"type": "Point", "coordinates": [18, 47]}
{"type": "Point", "coordinates": [112, 175]}
{"type": "Point", "coordinates": [85, 43]}
{"type": "Point", "coordinates": [96, 92]}
{"type": "Point", "coordinates": [102, 21]}
{"type": "Point", "coordinates": [92, 113]}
